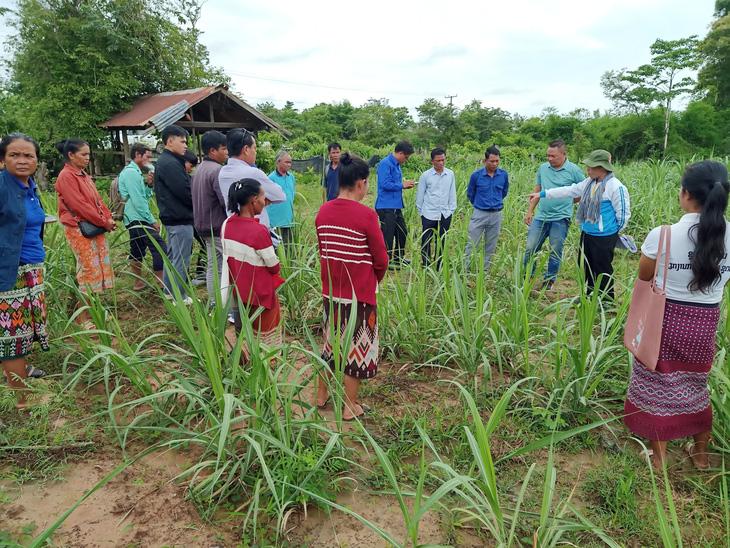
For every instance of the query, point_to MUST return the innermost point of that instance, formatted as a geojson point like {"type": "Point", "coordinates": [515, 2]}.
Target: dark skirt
{"type": "Point", "coordinates": [362, 349]}
{"type": "Point", "coordinates": [673, 401]}
{"type": "Point", "coordinates": [266, 326]}
{"type": "Point", "coordinates": [23, 314]}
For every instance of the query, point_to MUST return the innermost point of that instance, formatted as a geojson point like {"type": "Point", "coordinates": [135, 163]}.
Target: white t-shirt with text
{"type": "Point", "coordinates": [679, 273]}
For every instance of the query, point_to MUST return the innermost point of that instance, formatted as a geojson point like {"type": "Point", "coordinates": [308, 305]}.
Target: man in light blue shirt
{"type": "Point", "coordinates": [436, 203]}
{"type": "Point", "coordinates": [281, 215]}
{"type": "Point", "coordinates": [553, 216]}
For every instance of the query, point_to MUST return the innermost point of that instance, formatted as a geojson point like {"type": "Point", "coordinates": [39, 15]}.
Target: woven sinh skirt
{"type": "Point", "coordinates": [673, 401]}
{"type": "Point", "coordinates": [93, 267]}
{"type": "Point", "coordinates": [23, 314]}
{"type": "Point", "coordinates": [362, 350]}
{"type": "Point", "coordinates": [267, 326]}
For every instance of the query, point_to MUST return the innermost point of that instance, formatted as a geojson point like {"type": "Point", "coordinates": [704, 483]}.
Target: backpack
{"type": "Point", "coordinates": [116, 204]}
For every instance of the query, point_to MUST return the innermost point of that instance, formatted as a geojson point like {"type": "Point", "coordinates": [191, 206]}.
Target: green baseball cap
{"type": "Point", "coordinates": [599, 158]}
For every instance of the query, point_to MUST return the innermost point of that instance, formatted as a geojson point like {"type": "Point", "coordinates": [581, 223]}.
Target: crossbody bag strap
{"type": "Point", "coordinates": [665, 246]}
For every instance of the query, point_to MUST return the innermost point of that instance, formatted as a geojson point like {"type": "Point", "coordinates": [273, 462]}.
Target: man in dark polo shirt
{"type": "Point", "coordinates": [330, 181]}
{"type": "Point", "coordinates": [209, 204]}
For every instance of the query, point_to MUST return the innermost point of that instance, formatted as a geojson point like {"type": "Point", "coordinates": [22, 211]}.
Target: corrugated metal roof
{"type": "Point", "coordinates": [145, 109]}
{"type": "Point", "coordinates": [167, 117]}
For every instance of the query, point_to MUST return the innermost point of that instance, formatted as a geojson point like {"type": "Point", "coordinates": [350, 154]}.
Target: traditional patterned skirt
{"type": "Point", "coordinates": [93, 267]}
{"type": "Point", "coordinates": [673, 401]}
{"type": "Point", "coordinates": [23, 314]}
{"type": "Point", "coordinates": [362, 349]}
{"type": "Point", "coordinates": [266, 326]}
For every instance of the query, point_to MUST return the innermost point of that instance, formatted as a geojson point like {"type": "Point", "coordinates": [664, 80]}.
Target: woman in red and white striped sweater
{"type": "Point", "coordinates": [353, 260]}
{"type": "Point", "coordinates": [250, 261]}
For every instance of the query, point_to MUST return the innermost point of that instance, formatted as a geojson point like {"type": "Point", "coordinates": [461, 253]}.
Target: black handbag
{"type": "Point", "coordinates": [90, 230]}
{"type": "Point", "coordinates": [87, 229]}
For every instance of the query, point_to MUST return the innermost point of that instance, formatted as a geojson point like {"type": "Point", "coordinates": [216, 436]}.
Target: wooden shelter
{"type": "Point", "coordinates": [197, 110]}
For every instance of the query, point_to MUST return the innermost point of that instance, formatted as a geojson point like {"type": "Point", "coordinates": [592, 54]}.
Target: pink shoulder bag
{"type": "Point", "coordinates": [643, 331]}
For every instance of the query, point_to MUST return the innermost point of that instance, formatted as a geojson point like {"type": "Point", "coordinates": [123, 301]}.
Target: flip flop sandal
{"type": "Point", "coordinates": [88, 326]}
{"type": "Point", "coordinates": [325, 404]}
{"type": "Point", "coordinates": [647, 454]}
{"type": "Point", "coordinates": [34, 372]}
{"type": "Point", "coordinates": [362, 416]}
{"type": "Point", "coordinates": [688, 447]}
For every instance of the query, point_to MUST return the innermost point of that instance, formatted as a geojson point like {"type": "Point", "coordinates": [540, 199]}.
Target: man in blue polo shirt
{"type": "Point", "coordinates": [487, 190]}
{"type": "Point", "coordinates": [330, 181]}
{"type": "Point", "coordinates": [553, 216]}
{"type": "Point", "coordinates": [389, 204]}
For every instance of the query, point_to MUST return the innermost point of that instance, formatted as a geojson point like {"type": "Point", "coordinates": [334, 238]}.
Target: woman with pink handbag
{"type": "Point", "coordinates": [669, 399]}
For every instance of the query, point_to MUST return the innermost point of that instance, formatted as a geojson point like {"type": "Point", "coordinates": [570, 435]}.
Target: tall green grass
{"type": "Point", "coordinates": [257, 446]}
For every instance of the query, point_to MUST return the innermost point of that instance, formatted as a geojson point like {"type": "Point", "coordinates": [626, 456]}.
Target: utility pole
{"type": "Point", "coordinates": [451, 99]}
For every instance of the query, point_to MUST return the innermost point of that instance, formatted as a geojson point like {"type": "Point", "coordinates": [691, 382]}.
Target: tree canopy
{"type": "Point", "coordinates": [77, 62]}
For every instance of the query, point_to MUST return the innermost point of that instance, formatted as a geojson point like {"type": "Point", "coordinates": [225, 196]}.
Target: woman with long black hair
{"type": "Point", "coordinates": [673, 401]}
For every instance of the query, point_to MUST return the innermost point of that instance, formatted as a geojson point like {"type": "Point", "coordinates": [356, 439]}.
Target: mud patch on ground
{"type": "Point", "coordinates": [140, 507]}
{"type": "Point", "coordinates": [322, 530]}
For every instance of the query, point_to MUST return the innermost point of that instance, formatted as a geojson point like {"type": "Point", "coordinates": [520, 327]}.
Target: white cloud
{"type": "Point", "coordinates": [520, 54]}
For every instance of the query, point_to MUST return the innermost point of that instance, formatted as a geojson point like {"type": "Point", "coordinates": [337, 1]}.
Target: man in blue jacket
{"type": "Point", "coordinates": [487, 190]}
{"type": "Point", "coordinates": [389, 203]}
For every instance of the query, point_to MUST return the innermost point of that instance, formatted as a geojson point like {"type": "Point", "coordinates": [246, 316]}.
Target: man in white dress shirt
{"type": "Point", "coordinates": [436, 203]}
{"type": "Point", "coordinates": [241, 145]}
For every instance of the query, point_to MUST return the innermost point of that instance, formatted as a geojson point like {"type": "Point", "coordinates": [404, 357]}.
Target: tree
{"type": "Point", "coordinates": [438, 124]}
{"type": "Point", "coordinates": [378, 124]}
{"type": "Point", "coordinates": [714, 76]}
{"type": "Point", "coordinates": [97, 56]}
{"type": "Point", "coordinates": [661, 81]}
{"type": "Point", "coordinates": [480, 123]}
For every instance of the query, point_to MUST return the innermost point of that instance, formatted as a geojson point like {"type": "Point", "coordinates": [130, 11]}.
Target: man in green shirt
{"type": "Point", "coordinates": [553, 216]}
{"type": "Point", "coordinates": [136, 192]}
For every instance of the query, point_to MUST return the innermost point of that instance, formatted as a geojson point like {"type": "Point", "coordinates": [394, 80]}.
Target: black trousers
{"type": "Point", "coordinates": [430, 228]}
{"type": "Point", "coordinates": [597, 260]}
{"type": "Point", "coordinates": [395, 231]}
{"type": "Point", "coordinates": [141, 235]}
{"type": "Point", "coordinates": [202, 262]}
{"type": "Point", "coordinates": [287, 234]}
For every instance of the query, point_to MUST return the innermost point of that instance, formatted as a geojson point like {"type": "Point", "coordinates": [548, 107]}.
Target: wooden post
{"type": "Point", "coordinates": [125, 146]}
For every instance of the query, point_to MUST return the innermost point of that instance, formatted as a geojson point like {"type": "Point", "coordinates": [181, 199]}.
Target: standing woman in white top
{"type": "Point", "coordinates": [673, 401]}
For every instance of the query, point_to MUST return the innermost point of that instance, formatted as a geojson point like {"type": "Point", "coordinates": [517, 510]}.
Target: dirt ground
{"type": "Point", "coordinates": [140, 507]}
{"type": "Point", "coordinates": [144, 506]}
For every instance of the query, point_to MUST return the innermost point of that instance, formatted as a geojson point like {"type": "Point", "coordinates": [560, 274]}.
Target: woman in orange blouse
{"type": "Point", "coordinates": [79, 202]}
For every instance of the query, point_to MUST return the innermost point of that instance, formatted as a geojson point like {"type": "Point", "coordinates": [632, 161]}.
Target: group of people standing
{"type": "Point", "coordinates": [233, 204]}
{"type": "Point", "coordinates": [603, 208]}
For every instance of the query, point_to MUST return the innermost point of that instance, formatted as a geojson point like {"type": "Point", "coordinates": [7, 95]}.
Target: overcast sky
{"type": "Point", "coordinates": [520, 55]}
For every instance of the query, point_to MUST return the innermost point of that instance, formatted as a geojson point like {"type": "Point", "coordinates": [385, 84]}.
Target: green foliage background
{"type": "Point", "coordinates": [72, 64]}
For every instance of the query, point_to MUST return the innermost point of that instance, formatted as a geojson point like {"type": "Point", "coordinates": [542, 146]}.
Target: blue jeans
{"type": "Point", "coordinates": [179, 249]}
{"type": "Point", "coordinates": [537, 233]}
